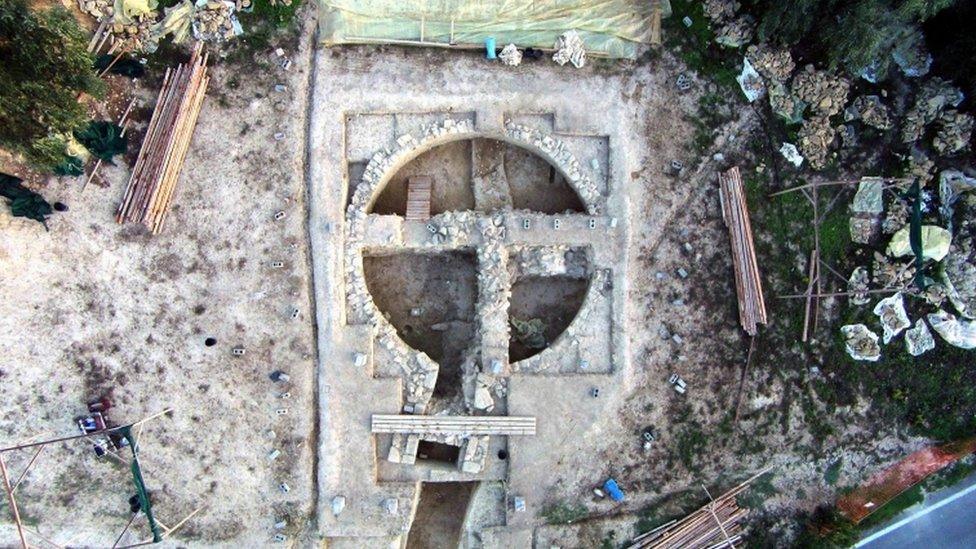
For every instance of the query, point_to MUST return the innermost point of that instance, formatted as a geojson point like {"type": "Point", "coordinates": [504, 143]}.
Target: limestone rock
{"type": "Point", "coordinates": [825, 92]}
{"type": "Point", "coordinates": [959, 276]}
{"type": "Point", "coordinates": [935, 242]}
{"type": "Point", "coordinates": [570, 49]}
{"type": "Point", "coordinates": [511, 56]}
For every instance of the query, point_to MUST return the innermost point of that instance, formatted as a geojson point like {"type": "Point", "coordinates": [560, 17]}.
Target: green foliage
{"type": "Point", "coordinates": [833, 471]}
{"type": "Point", "coordinates": [45, 67]}
{"type": "Point", "coordinates": [531, 332]}
{"type": "Point", "coordinates": [564, 513]}
{"type": "Point", "coordinates": [827, 528]}
{"type": "Point", "coordinates": [786, 23]}
{"type": "Point", "coordinates": [695, 45]}
{"type": "Point", "coordinates": [860, 34]}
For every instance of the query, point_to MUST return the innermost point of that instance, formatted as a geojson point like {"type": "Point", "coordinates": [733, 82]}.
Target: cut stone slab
{"type": "Point", "coordinates": [894, 319]}
{"type": "Point", "coordinates": [919, 340]}
{"type": "Point", "coordinates": [868, 198]}
{"type": "Point", "coordinates": [958, 333]}
{"type": "Point", "coordinates": [861, 343]}
{"type": "Point", "coordinates": [935, 242]}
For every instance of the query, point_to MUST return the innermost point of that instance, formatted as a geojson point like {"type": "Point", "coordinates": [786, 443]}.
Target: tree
{"type": "Point", "coordinates": [45, 67]}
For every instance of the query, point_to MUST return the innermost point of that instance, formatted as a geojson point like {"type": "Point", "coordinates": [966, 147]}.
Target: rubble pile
{"type": "Point", "coordinates": [775, 64]}
{"type": "Point", "coordinates": [737, 33]}
{"type": "Point", "coordinates": [138, 35]}
{"type": "Point", "coordinates": [215, 21]}
{"type": "Point", "coordinates": [98, 8]}
{"type": "Point", "coordinates": [815, 137]}
{"type": "Point", "coordinates": [920, 167]}
{"type": "Point", "coordinates": [935, 96]}
{"type": "Point", "coordinates": [955, 131]}
{"type": "Point", "coordinates": [870, 110]}
{"type": "Point", "coordinates": [826, 93]}
{"type": "Point", "coordinates": [719, 11]}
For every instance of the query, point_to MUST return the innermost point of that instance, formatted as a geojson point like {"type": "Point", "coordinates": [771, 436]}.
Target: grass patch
{"type": "Point", "coordinates": [696, 47]}
{"type": "Point", "coordinates": [889, 510]}
{"type": "Point", "coordinates": [564, 513]}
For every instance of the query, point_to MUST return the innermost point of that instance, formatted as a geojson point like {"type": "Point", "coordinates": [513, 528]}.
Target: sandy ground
{"type": "Point", "coordinates": [93, 308]}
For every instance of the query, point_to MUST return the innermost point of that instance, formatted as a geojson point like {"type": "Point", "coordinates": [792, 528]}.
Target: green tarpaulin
{"type": "Point", "coordinates": [614, 28]}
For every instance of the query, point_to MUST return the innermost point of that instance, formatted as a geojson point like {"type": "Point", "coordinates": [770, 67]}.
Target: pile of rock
{"type": "Point", "coordinates": [215, 21]}
{"type": "Point", "coordinates": [731, 31]}
{"type": "Point", "coordinates": [933, 98]}
{"type": "Point", "coordinates": [774, 64]}
{"type": "Point", "coordinates": [869, 110]}
{"type": "Point", "coordinates": [720, 11]}
{"type": "Point", "coordinates": [98, 8]}
{"type": "Point", "coordinates": [138, 35]}
{"type": "Point", "coordinates": [955, 131]}
{"type": "Point", "coordinates": [815, 138]}
{"type": "Point", "coordinates": [736, 33]}
{"type": "Point", "coordinates": [825, 92]}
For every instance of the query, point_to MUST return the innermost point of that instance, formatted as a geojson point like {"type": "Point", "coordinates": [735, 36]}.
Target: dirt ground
{"type": "Point", "coordinates": [90, 309]}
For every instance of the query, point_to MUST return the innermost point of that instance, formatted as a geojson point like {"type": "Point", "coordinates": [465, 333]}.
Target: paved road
{"type": "Point", "coordinates": [945, 520]}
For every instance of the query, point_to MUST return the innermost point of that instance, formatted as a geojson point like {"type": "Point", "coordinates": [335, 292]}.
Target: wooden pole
{"type": "Point", "coordinates": [27, 469]}
{"type": "Point", "coordinates": [13, 503]}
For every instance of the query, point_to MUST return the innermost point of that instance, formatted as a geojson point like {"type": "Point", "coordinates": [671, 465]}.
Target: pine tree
{"type": "Point", "coordinates": [45, 67]}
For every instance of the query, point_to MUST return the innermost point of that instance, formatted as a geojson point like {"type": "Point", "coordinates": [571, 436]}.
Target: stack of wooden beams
{"type": "Point", "coordinates": [453, 425]}
{"type": "Point", "coordinates": [748, 287]}
{"type": "Point", "coordinates": [717, 524]}
{"type": "Point", "coordinates": [157, 169]}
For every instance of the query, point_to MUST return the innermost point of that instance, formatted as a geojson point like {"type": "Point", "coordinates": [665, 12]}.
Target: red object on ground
{"type": "Point", "coordinates": [886, 485]}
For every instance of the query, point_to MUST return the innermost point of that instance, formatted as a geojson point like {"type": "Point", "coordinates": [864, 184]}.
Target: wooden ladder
{"type": "Point", "coordinates": [418, 197]}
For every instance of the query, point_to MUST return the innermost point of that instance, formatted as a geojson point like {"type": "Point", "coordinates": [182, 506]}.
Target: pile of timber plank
{"type": "Point", "coordinates": [748, 287]}
{"type": "Point", "coordinates": [454, 425]}
{"type": "Point", "coordinates": [717, 524]}
{"type": "Point", "coordinates": [157, 169]}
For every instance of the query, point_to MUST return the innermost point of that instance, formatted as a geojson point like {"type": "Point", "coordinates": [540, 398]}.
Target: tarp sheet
{"type": "Point", "coordinates": [613, 28]}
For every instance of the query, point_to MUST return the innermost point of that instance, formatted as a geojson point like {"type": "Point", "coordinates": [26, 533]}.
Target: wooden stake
{"type": "Point", "coordinates": [13, 503]}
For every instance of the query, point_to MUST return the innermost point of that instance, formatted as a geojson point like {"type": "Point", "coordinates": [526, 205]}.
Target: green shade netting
{"type": "Point", "coordinates": [144, 504]}
{"type": "Point", "coordinates": [613, 28]}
